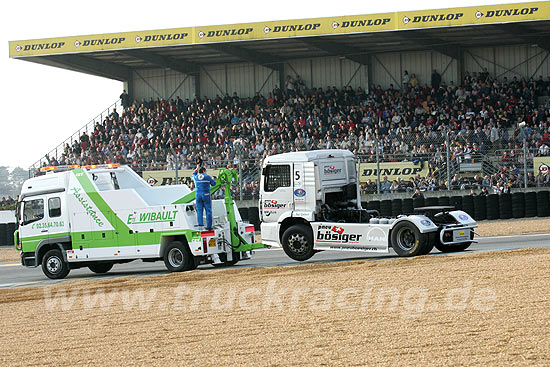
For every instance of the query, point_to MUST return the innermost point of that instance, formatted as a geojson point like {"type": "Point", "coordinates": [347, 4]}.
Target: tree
{"type": "Point", "coordinates": [5, 185]}
{"type": "Point", "coordinates": [11, 182]}
{"type": "Point", "coordinates": [17, 176]}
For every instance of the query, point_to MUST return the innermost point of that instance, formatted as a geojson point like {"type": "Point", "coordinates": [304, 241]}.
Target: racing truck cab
{"type": "Point", "coordinates": [310, 201]}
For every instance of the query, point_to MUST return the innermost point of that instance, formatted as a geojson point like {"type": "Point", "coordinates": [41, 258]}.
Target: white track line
{"type": "Point", "coordinates": [515, 235]}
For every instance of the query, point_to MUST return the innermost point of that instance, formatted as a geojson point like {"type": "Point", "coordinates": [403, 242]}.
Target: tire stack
{"type": "Point", "coordinates": [518, 205]}
{"type": "Point", "coordinates": [11, 230]}
{"type": "Point", "coordinates": [468, 204]}
{"type": "Point", "coordinates": [254, 217]}
{"type": "Point", "coordinates": [373, 205]}
{"type": "Point", "coordinates": [3, 234]}
{"type": "Point", "coordinates": [244, 214]}
{"type": "Point", "coordinates": [407, 206]}
{"type": "Point", "coordinates": [418, 202]}
{"type": "Point", "coordinates": [543, 208]}
{"type": "Point", "coordinates": [432, 201]}
{"type": "Point", "coordinates": [444, 201]}
{"type": "Point", "coordinates": [505, 206]}
{"type": "Point", "coordinates": [530, 204]}
{"type": "Point", "coordinates": [493, 210]}
{"type": "Point", "coordinates": [480, 207]}
{"type": "Point", "coordinates": [385, 208]}
{"type": "Point", "coordinates": [396, 207]}
{"type": "Point", "coordinates": [456, 201]}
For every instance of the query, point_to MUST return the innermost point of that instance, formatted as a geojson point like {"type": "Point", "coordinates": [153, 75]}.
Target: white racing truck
{"type": "Point", "coordinates": [74, 217]}
{"type": "Point", "coordinates": [310, 201]}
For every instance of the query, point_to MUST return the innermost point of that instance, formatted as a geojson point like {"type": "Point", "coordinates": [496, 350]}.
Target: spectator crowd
{"type": "Point", "coordinates": [474, 118]}
{"type": "Point", "coordinates": [7, 203]}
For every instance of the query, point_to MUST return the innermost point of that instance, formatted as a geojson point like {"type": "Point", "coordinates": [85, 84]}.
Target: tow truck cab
{"type": "Point", "coordinates": [97, 216]}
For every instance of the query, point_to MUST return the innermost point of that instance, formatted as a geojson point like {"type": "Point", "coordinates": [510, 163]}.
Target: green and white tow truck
{"type": "Point", "coordinates": [97, 216]}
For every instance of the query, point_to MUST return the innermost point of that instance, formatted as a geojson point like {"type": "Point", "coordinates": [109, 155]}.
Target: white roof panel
{"type": "Point", "coordinates": [307, 156]}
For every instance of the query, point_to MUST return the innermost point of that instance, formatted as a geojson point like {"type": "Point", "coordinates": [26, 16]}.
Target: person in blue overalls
{"type": "Point", "coordinates": [202, 196]}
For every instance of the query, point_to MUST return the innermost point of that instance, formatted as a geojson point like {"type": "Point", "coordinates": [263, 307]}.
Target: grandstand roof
{"type": "Point", "coordinates": [271, 43]}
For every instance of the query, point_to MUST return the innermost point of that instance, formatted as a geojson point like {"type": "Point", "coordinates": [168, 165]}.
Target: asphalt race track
{"type": "Point", "coordinates": [14, 275]}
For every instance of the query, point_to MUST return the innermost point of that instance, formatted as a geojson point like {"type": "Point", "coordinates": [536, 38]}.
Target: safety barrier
{"type": "Point", "coordinates": [6, 233]}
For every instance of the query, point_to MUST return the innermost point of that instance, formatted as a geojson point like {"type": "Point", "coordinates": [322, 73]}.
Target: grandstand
{"type": "Point", "coordinates": [435, 96]}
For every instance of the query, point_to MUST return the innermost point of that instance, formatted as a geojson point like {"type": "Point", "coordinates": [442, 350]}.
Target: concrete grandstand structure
{"type": "Point", "coordinates": [509, 40]}
{"type": "Point", "coordinates": [364, 52]}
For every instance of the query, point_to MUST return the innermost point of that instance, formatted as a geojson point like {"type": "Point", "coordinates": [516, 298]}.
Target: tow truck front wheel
{"type": "Point", "coordinates": [53, 265]}
{"type": "Point", "coordinates": [298, 242]}
{"type": "Point", "coordinates": [178, 258]}
{"type": "Point", "coordinates": [407, 240]}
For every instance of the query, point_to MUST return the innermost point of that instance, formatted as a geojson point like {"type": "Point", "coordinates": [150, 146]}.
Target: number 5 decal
{"type": "Point", "coordinates": [297, 176]}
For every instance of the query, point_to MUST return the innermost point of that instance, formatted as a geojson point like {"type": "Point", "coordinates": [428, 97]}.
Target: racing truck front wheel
{"type": "Point", "coordinates": [298, 242]}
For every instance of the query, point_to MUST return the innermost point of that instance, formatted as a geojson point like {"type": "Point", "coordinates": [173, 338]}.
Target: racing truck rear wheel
{"type": "Point", "coordinates": [407, 240]}
{"type": "Point", "coordinates": [53, 265]}
{"type": "Point", "coordinates": [453, 248]}
{"type": "Point", "coordinates": [298, 242]}
{"type": "Point", "coordinates": [101, 268]}
{"type": "Point", "coordinates": [177, 257]}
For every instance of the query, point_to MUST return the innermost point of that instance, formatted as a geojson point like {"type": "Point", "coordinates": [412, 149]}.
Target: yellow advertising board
{"type": "Point", "coordinates": [160, 178]}
{"type": "Point", "coordinates": [288, 28]}
{"type": "Point", "coordinates": [541, 164]}
{"type": "Point", "coordinates": [392, 170]}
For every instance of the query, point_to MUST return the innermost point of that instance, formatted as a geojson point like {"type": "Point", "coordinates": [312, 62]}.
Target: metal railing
{"type": "Point", "coordinates": [428, 172]}
{"type": "Point", "coordinates": [86, 129]}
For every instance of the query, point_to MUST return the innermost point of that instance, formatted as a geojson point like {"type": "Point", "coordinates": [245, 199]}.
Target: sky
{"type": "Point", "coordinates": [42, 105]}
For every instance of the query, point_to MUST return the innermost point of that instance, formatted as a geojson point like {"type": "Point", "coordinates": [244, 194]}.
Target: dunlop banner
{"type": "Point", "coordinates": [393, 170]}
{"type": "Point", "coordinates": [473, 15]}
{"type": "Point", "coordinates": [160, 178]}
{"type": "Point", "coordinates": [288, 28]}
{"type": "Point", "coordinates": [541, 164]}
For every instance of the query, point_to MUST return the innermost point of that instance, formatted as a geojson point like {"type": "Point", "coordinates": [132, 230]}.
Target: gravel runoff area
{"type": "Point", "coordinates": [9, 254]}
{"type": "Point", "coordinates": [506, 227]}
{"type": "Point", "coordinates": [486, 228]}
{"type": "Point", "coordinates": [478, 309]}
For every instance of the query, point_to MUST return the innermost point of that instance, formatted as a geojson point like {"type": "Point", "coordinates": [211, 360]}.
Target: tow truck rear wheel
{"type": "Point", "coordinates": [407, 240]}
{"type": "Point", "coordinates": [178, 258]}
{"type": "Point", "coordinates": [298, 242]}
{"type": "Point", "coordinates": [53, 265]}
{"type": "Point", "coordinates": [101, 268]}
{"type": "Point", "coordinates": [225, 262]}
